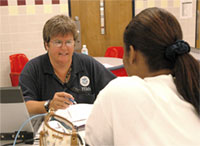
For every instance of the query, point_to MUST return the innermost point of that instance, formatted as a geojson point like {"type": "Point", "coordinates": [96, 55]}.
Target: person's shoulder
{"type": "Point", "coordinates": [128, 81]}
{"type": "Point", "coordinates": [85, 59]}
{"type": "Point", "coordinates": [38, 58]}
{"type": "Point", "coordinates": [132, 84]}
{"type": "Point", "coordinates": [36, 61]}
{"type": "Point", "coordinates": [82, 56]}
{"type": "Point", "coordinates": [131, 88]}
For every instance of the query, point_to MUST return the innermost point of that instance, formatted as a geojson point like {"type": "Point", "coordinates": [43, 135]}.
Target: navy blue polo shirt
{"type": "Point", "coordinates": [39, 82]}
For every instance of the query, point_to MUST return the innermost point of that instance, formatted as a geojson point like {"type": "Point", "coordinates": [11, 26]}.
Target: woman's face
{"type": "Point", "coordinates": [61, 48]}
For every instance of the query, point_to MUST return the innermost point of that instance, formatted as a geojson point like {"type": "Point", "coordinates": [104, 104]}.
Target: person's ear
{"type": "Point", "coordinates": [132, 54]}
{"type": "Point", "coordinates": [46, 46]}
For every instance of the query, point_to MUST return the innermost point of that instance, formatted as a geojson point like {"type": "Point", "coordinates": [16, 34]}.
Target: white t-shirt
{"type": "Point", "coordinates": [131, 111]}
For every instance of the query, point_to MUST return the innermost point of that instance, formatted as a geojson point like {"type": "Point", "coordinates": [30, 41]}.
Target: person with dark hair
{"type": "Point", "coordinates": [159, 103]}
{"type": "Point", "coordinates": [55, 79]}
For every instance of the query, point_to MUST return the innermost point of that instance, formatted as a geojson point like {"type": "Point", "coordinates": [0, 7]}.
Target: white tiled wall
{"type": "Point", "coordinates": [174, 6]}
{"type": "Point", "coordinates": [21, 31]}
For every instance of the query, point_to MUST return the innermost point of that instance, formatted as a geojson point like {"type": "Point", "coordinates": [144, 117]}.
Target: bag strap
{"type": "Point", "coordinates": [74, 139]}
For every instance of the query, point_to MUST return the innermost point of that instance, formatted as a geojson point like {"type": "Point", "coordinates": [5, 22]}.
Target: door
{"type": "Point", "coordinates": [117, 14]}
{"type": "Point", "coordinates": [198, 26]}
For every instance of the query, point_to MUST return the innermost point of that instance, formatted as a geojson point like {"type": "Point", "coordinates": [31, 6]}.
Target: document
{"type": "Point", "coordinates": [76, 113]}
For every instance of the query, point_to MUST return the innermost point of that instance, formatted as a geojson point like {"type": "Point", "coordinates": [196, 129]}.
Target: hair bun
{"type": "Point", "coordinates": [178, 48]}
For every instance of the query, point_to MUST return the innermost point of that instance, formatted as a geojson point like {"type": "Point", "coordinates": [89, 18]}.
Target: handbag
{"type": "Point", "coordinates": [58, 131]}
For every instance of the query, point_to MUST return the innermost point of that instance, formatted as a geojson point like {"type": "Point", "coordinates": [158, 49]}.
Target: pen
{"type": "Point", "coordinates": [73, 101]}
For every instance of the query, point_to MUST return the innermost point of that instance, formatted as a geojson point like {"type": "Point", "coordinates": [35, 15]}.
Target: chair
{"type": "Point", "coordinates": [121, 72]}
{"type": "Point", "coordinates": [117, 52]}
{"type": "Point", "coordinates": [17, 63]}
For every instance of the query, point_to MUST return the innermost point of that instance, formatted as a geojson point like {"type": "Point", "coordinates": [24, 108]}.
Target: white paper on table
{"type": "Point", "coordinates": [77, 113]}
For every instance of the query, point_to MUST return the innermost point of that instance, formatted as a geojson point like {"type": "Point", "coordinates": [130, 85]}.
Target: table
{"type": "Point", "coordinates": [110, 63]}
{"type": "Point", "coordinates": [37, 142]}
{"type": "Point", "coordinates": [77, 114]}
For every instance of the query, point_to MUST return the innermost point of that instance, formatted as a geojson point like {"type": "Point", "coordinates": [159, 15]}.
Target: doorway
{"type": "Point", "coordinates": [117, 14]}
{"type": "Point", "coordinates": [198, 26]}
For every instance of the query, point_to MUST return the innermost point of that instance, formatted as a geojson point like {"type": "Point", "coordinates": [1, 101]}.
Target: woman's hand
{"type": "Point", "coordinates": [61, 101]}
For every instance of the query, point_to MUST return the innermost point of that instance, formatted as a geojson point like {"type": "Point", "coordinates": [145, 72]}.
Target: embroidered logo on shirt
{"type": "Point", "coordinates": [84, 81]}
{"type": "Point", "coordinates": [86, 89]}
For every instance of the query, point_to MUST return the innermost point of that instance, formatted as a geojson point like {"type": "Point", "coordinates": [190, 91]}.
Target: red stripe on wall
{"type": "Point", "coordinates": [21, 2]}
{"type": "Point", "coordinates": [55, 1]}
{"type": "Point", "coordinates": [3, 2]}
{"type": "Point", "coordinates": [38, 2]}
